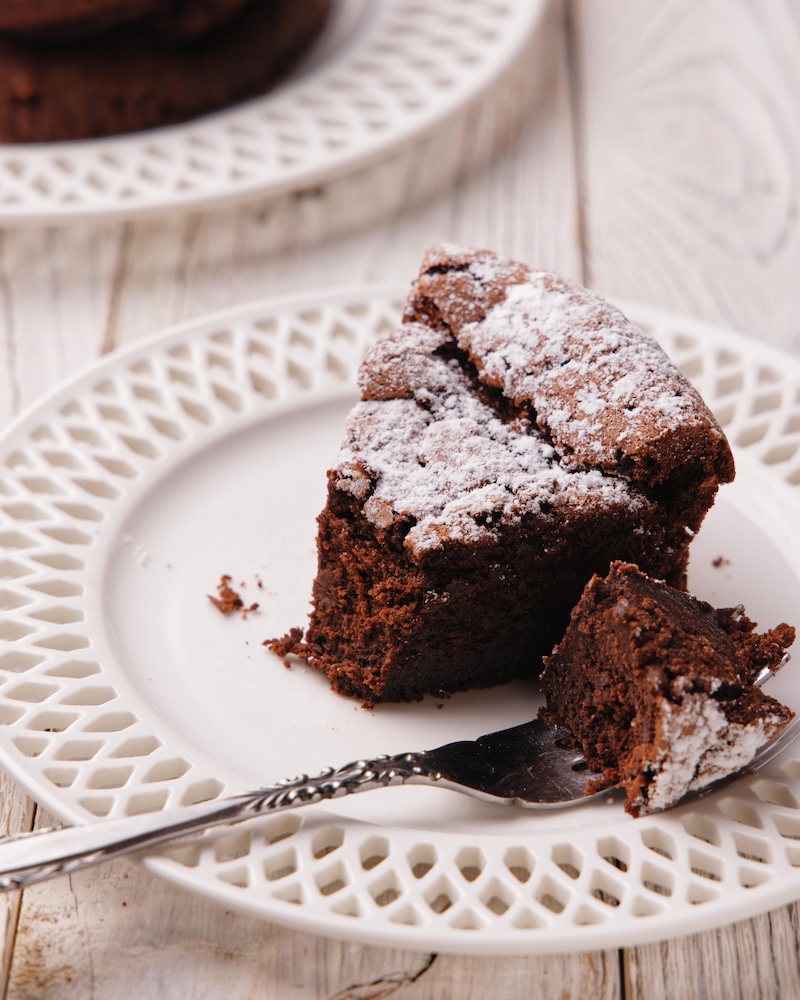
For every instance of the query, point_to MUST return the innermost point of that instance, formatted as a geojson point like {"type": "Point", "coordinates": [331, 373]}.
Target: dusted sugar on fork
{"type": "Point", "coordinates": [658, 687]}
{"type": "Point", "coordinates": [515, 435]}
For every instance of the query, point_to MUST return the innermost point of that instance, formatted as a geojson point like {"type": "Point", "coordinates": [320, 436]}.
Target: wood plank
{"type": "Point", "coordinates": [17, 811]}
{"type": "Point", "coordinates": [757, 957]}
{"type": "Point", "coordinates": [116, 931]}
{"type": "Point", "coordinates": [690, 152]}
{"type": "Point", "coordinates": [54, 287]}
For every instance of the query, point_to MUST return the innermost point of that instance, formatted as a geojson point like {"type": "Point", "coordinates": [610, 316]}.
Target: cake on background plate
{"type": "Point", "coordinates": [515, 435]}
{"type": "Point", "coordinates": [59, 19]}
{"type": "Point", "coordinates": [658, 687]}
{"type": "Point", "coordinates": [77, 69]}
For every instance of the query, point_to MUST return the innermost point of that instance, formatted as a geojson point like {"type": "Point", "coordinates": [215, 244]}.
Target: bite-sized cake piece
{"type": "Point", "coordinates": [76, 69]}
{"type": "Point", "coordinates": [515, 435]}
{"type": "Point", "coordinates": [658, 687]}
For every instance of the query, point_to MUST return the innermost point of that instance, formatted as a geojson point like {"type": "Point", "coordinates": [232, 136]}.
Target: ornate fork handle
{"type": "Point", "coordinates": [28, 858]}
{"type": "Point", "coordinates": [359, 776]}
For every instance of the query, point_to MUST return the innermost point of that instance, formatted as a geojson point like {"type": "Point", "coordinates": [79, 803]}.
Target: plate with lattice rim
{"type": "Point", "coordinates": [384, 73]}
{"type": "Point", "coordinates": [127, 493]}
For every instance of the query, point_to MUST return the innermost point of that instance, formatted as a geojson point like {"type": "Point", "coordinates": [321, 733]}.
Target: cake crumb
{"type": "Point", "coordinates": [286, 645]}
{"type": "Point", "coordinates": [228, 599]}
{"type": "Point", "coordinates": [720, 561]}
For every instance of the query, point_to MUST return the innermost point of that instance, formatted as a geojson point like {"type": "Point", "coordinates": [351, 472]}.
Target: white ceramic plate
{"type": "Point", "coordinates": [383, 73]}
{"type": "Point", "coordinates": [124, 497]}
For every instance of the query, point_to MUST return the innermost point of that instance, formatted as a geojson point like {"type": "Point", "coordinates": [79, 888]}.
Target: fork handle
{"type": "Point", "coordinates": [28, 858]}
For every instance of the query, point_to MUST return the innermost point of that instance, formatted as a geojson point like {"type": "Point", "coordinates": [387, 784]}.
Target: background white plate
{"type": "Point", "coordinates": [127, 493]}
{"type": "Point", "coordinates": [383, 73]}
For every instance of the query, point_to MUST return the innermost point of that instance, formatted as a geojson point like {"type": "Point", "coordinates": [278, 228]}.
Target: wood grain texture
{"type": "Point", "coordinates": [755, 958]}
{"type": "Point", "coordinates": [17, 812]}
{"type": "Point", "coordinates": [119, 932]}
{"type": "Point", "coordinates": [690, 157]}
{"type": "Point", "coordinates": [54, 287]}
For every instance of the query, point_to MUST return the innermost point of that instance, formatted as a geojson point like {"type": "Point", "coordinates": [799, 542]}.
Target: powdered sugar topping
{"type": "Point", "coordinates": [699, 745]}
{"type": "Point", "coordinates": [593, 379]}
{"type": "Point", "coordinates": [602, 390]}
{"type": "Point", "coordinates": [448, 461]}
{"type": "Point", "coordinates": [517, 391]}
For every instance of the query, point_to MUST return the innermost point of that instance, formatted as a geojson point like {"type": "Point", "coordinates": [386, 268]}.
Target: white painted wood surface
{"type": "Point", "coordinates": [652, 150]}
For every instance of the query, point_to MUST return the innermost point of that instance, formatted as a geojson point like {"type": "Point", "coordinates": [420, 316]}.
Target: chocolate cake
{"type": "Point", "coordinates": [86, 68]}
{"type": "Point", "coordinates": [658, 687]}
{"type": "Point", "coordinates": [43, 17]}
{"type": "Point", "coordinates": [71, 19]}
{"type": "Point", "coordinates": [515, 435]}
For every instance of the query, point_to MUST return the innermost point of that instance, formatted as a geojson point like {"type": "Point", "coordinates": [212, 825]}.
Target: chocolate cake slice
{"type": "Point", "coordinates": [515, 435]}
{"type": "Point", "coordinates": [658, 687]}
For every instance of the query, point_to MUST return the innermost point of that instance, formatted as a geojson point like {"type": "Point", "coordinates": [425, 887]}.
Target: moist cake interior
{"type": "Point", "coordinates": [658, 687]}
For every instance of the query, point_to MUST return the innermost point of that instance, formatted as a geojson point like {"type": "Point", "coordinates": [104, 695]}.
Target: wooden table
{"type": "Point", "coordinates": [650, 151]}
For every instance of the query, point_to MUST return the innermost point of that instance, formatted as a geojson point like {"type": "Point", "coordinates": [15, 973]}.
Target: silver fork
{"type": "Point", "coordinates": [530, 765]}
{"type": "Point", "coordinates": [533, 765]}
